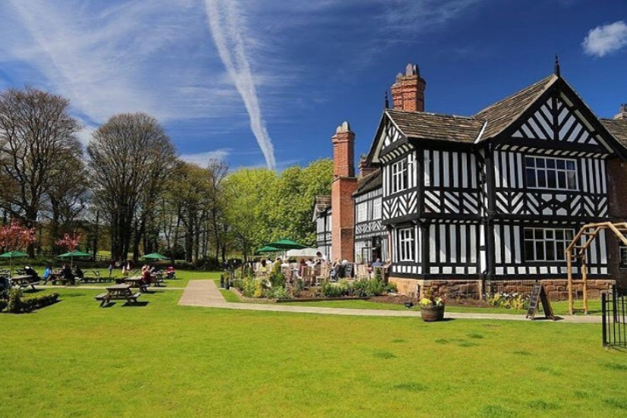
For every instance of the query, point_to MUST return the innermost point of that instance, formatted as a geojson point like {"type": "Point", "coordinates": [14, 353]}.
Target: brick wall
{"type": "Point", "coordinates": [408, 92]}
{"type": "Point", "coordinates": [342, 188]}
{"type": "Point", "coordinates": [617, 191]}
{"type": "Point", "coordinates": [474, 289]}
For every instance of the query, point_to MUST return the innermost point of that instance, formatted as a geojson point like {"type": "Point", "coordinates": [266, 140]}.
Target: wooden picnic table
{"type": "Point", "coordinates": [137, 282]}
{"type": "Point", "coordinates": [118, 292]}
{"type": "Point", "coordinates": [22, 281]}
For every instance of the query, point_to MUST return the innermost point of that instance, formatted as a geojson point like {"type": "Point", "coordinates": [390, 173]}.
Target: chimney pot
{"type": "Point", "coordinates": [408, 92]}
{"type": "Point", "coordinates": [622, 112]}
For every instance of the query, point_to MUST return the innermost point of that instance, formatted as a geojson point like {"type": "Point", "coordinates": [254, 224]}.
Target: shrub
{"type": "Point", "coordinates": [335, 290]}
{"type": "Point", "coordinates": [3, 305]}
{"type": "Point", "coordinates": [17, 303]}
{"type": "Point", "coordinates": [14, 304]}
{"type": "Point", "coordinates": [37, 302]}
{"type": "Point", "coordinates": [278, 293]}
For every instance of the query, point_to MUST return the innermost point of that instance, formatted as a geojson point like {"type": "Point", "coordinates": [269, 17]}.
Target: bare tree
{"type": "Point", "coordinates": [130, 157]}
{"type": "Point", "coordinates": [36, 132]}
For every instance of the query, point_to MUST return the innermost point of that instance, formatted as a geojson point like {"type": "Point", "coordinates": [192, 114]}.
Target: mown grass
{"type": "Point", "coordinates": [75, 359]}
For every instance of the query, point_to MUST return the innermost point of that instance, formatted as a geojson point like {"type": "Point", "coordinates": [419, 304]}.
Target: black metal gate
{"type": "Point", "coordinates": [614, 306]}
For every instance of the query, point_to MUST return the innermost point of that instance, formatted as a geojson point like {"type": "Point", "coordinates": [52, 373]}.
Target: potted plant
{"type": "Point", "coordinates": [432, 308]}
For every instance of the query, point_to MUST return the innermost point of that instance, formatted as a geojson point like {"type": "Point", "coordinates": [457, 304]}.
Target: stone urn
{"type": "Point", "coordinates": [432, 313]}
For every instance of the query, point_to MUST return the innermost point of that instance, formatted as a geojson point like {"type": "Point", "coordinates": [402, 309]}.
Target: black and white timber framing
{"type": "Point", "coordinates": [495, 195]}
{"type": "Point", "coordinates": [371, 238]}
{"type": "Point", "coordinates": [322, 219]}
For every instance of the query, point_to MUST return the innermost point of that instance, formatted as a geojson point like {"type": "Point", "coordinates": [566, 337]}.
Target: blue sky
{"type": "Point", "coordinates": [265, 82]}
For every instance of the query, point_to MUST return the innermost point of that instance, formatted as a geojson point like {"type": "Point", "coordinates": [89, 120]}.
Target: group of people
{"type": "Point", "coordinates": [66, 273]}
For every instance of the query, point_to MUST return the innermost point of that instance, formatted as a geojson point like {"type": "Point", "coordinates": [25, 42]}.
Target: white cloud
{"type": "Point", "coordinates": [228, 27]}
{"type": "Point", "coordinates": [604, 40]}
{"type": "Point", "coordinates": [124, 57]}
{"type": "Point", "coordinates": [202, 158]}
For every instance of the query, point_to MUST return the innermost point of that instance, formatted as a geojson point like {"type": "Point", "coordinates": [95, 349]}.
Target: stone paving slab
{"type": "Point", "coordinates": [205, 293]}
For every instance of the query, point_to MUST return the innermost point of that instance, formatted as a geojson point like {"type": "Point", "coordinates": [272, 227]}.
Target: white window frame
{"type": "Point", "coordinates": [541, 239]}
{"type": "Point", "coordinates": [406, 244]}
{"type": "Point", "coordinates": [362, 212]}
{"type": "Point", "coordinates": [400, 178]}
{"type": "Point", "coordinates": [376, 208]}
{"type": "Point", "coordinates": [532, 166]}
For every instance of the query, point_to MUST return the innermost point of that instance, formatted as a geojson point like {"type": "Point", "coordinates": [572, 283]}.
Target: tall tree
{"type": "Point", "coordinates": [36, 133]}
{"type": "Point", "coordinates": [130, 158]}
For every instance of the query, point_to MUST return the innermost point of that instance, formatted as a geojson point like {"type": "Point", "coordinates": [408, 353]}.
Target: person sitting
{"type": "Point", "coordinates": [79, 273]}
{"type": "Point", "coordinates": [29, 271]}
{"type": "Point", "coordinates": [170, 272]}
{"type": "Point", "coordinates": [47, 274]}
{"type": "Point", "coordinates": [67, 274]}
{"type": "Point", "coordinates": [146, 275]}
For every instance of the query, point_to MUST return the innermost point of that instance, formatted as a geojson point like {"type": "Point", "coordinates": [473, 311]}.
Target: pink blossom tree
{"type": "Point", "coordinates": [70, 242]}
{"type": "Point", "coordinates": [14, 237]}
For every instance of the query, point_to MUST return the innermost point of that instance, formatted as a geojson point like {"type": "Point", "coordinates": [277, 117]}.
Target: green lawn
{"type": "Point", "coordinates": [75, 359]}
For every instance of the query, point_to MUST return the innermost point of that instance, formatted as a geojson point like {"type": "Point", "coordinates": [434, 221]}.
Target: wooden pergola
{"type": "Point", "coordinates": [576, 250]}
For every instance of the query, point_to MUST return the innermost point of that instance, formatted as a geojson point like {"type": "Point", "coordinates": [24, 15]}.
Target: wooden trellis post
{"type": "Point", "coordinates": [575, 251]}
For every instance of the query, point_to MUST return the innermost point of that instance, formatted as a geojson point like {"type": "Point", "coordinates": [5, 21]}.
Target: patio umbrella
{"type": "Point", "coordinates": [74, 254]}
{"type": "Point", "coordinates": [154, 256]}
{"type": "Point", "coordinates": [11, 255]}
{"type": "Point", "coordinates": [268, 249]}
{"type": "Point", "coordinates": [71, 255]}
{"type": "Point", "coordinates": [287, 244]}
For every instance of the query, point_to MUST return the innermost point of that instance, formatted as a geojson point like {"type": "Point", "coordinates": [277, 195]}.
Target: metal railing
{"type": "Point", "coordinates": [614, 307]}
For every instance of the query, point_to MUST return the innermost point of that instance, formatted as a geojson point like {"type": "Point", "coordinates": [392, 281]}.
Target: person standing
{"type": "Point", "coordinates": [110, 268]}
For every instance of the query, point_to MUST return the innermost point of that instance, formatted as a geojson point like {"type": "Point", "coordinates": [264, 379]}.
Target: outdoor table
{"type": "Point", "coordinates": [136, 282]}
{"type": "Point", "coordinates": [117, 292]}
{"type": "Point", "coordinates": [22, 281]}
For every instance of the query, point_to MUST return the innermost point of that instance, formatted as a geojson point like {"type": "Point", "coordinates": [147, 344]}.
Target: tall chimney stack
{"type": "Point", "coordinates": [342, 188]}
{"type": "Point", "coordinates": [343, 151]}
{"type": "Point", "coordinates": [408, 92]}
{"type": "Point", "coordinates": [622, 113]}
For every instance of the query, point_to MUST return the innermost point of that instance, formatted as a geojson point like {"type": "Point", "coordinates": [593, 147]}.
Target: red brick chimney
{"type": "Point", "coordinates": [408, 92]}
{"type": "Point", "coordinates": [364, 168]}
{"type": "Point", "coordinates": [344, 184]}
{"type": "Point", "coordinates": [622, 113]}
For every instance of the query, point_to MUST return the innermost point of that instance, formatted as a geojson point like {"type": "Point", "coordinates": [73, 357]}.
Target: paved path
{"type": "Point", "coordinates": [205, 293]}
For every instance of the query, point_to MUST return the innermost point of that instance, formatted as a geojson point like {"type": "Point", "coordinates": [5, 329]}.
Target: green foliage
{"type": "Point", "coordinates": [15, 300]}
{"type": "Point", "coordinates": [263, 206]}
{"type": "Point", "coordinates": [3, 305]}
{"type": "Point", "coordinates": [516, 301]}
{"type": "Point", "coordinates": [277, 293]}
{"type": "Point", "coordinates": [17, 303]}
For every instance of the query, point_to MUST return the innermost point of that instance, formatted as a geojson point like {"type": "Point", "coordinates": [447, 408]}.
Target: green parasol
{"type": "Point", "coordinates": [268, 249]}
{"type": "Point", "coordinates": [154, 256]}
{"type": "Point", "coordinates": [74, 254]}
{"type": "Point", "coordinates": [11, 255]}
{"type": "Point", "coordinates": [287, 244]}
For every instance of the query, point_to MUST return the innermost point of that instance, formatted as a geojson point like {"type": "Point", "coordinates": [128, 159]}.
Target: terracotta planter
{"type": "Point", "coordinates": [432, 313]}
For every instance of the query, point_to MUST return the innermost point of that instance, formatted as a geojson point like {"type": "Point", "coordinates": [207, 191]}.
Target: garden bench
{"type": "Point", "coordinates": [118, 292]}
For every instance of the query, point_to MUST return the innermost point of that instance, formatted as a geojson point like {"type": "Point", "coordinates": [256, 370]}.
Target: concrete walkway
{"type": "Point", "coordinates": [205, 293]}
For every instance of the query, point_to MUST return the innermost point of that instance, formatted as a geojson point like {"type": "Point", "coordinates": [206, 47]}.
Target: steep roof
{"type": "Point", "coordinates": [423, 125]}
{"type": "Point", "coordinates": [503, 113]}
{"type": "Point", "coordinates": [368, 183]}
{"type": "Point", "coordinates": [618, 128]}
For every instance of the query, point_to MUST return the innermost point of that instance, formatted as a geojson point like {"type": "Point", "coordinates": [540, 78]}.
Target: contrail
{"type": "Point", "coordinates": [224, 24]}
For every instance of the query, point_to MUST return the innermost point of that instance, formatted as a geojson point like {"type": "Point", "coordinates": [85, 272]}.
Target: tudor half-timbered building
{"type": "Point", "coordinates": [499, 194]}
{"type": "Point", "coordinates": [496, 195]}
